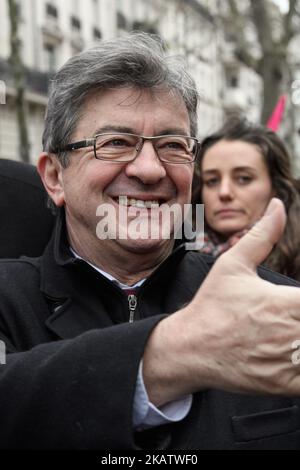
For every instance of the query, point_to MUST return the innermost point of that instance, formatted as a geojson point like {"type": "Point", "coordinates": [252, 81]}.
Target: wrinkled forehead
{"type": "Point", "coordinates": [123, 104]}
{"type": "Point", "coordinates": [129, 96]}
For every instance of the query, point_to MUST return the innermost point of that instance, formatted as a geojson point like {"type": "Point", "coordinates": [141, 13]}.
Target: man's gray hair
{"type": "Point", "coordinates": [137, 59]}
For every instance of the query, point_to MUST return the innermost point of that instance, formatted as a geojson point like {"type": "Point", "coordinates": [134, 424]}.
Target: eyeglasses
{"type": "Point", "coordinates": [124, 147]}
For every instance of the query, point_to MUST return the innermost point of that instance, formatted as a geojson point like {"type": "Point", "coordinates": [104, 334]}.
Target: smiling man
{"type": "Point", "coordinates": [112, 171]}
{"type": "Point", "coordinates": [125, 341]}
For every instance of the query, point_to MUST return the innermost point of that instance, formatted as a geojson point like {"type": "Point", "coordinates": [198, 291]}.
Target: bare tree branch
{"type": "Point", "coordinates": [262, 21]}
{"type": "Point", "coordinates": [292, 9]}
{"type": "Point", "coordinates": [242, 46]}
{"type": "Point", "coordinates": [289, 29]}
{"type": "Point", "coordinates": [19, 80]}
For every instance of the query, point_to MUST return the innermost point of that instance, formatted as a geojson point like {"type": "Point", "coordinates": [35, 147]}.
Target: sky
{"type": "Point", "coordinates": [283, 5]}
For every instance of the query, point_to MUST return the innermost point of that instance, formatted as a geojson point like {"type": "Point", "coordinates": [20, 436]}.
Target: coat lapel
{"type": "Point", "coordinates": [81, 299]}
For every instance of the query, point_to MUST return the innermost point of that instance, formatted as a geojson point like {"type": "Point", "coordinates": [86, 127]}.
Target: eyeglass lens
{"type": "Point", "coordinates": [124, 147]}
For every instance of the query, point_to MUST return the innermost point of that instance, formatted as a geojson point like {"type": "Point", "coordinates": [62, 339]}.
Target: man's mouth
{"type": "Point", "coordinates": [139, 203]}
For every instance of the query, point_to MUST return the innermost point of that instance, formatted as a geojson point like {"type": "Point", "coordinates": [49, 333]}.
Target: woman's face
{"type": "Point", "coordinates": [236, 186]}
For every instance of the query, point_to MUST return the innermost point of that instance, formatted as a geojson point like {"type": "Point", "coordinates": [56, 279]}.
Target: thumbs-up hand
{"type": "Point", "coordinates": [257, 244]}
{"type": "Point", "coordinates": [237, 332]}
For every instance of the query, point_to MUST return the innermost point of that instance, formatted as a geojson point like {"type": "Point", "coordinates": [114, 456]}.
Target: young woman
{"type": "Point", "coordinates": [241, 168]}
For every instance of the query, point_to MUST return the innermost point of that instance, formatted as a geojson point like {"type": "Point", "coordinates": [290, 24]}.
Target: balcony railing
{"type": "Point", "coordinates": [35, 81]}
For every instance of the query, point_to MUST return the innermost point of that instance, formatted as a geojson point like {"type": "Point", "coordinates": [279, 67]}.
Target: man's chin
{"type": "Point", "coordinates": [142, 246]}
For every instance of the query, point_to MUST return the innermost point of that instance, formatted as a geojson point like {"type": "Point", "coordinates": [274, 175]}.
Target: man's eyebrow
{"type": "Point", "coordinates": [173, 131]}
{"type": "Point", "coordinates": [112, 128]}
{"type": "Point", "coordinates": [130, 130]}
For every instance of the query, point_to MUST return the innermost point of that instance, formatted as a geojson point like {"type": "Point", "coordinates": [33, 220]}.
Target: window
{"type": "Point", "coordinates": [51, 10]}
{"type": "Point", "coordinates": [144, 26]}
{"type": "Point", "coordinates": [232, 79]}
{"type": "Point", "coordinates": [50, 54]}
{"type": "Point", "coordinates": [97, 33]}
{"type": "Point", "coordinates": [121, 21]}
{"type": "Point", "coordinates": [75, 23]}
{"type": "Point", "coordinates": [234, 82]}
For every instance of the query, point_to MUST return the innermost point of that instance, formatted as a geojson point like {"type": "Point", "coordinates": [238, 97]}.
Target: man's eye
{"type": "Point", "coordinates": [117, 143]}
{"type": "Point", "coordinates": [173, 145]}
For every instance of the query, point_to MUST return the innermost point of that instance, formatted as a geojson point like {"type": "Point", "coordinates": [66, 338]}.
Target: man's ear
{"type": "Point", "coordinates": [50, 171]}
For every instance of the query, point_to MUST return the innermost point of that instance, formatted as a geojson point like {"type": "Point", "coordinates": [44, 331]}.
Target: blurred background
{"type": "Point", "coordinates": [243, 54]}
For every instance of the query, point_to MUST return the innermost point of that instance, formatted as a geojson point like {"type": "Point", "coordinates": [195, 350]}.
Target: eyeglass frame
{"type": "Point", "coordinates": [91, 142]}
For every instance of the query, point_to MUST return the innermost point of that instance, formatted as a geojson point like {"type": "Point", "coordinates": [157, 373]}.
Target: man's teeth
{"type": "Point", "coordinates": [126, 201]}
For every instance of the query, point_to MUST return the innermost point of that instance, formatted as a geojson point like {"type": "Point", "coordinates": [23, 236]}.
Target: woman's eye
{"type": "Point", "coordinates": [211, 182]}
{"type": "Point", "coordinates": [244, 179]}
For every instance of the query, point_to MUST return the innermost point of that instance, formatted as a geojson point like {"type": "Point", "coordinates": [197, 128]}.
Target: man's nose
{"type": "Point", "coordinates": [146, 166]}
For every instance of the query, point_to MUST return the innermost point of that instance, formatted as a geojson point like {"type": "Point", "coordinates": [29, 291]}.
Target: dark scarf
{"type": "Point", "coordinates": [214, 246]}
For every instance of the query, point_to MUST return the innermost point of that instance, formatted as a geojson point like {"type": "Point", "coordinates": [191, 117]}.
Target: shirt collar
{"type": "Point", "coordinates": [107, 275]}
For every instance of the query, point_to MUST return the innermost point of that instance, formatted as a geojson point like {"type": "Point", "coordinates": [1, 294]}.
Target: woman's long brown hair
{"type": "Point", "coordinates": [285, 258]}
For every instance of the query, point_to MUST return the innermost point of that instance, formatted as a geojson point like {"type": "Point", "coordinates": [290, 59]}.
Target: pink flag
{"type": "Point", "coordinates": [277, 115]}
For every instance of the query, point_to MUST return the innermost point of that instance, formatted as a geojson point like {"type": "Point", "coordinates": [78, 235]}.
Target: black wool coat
{"type": "Point", "coordinates": [73, 358]}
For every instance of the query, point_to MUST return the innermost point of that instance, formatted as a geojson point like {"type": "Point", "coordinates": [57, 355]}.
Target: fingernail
{"type": "Point", "coordinates": [272, 206]}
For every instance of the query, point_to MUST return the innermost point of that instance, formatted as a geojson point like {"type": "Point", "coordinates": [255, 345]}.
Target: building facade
{"type": "Point", "coordinates": [52, 31]}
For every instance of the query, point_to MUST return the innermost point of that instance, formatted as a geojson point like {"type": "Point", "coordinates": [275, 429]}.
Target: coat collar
{"type": "Point", "coordinates": [58, 259]}
{"type": "Point", "coordinates": [68, 282]}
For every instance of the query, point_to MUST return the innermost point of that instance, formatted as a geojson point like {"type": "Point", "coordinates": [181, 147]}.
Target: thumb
{"type": "Point", "coordinates": [257, 244]}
